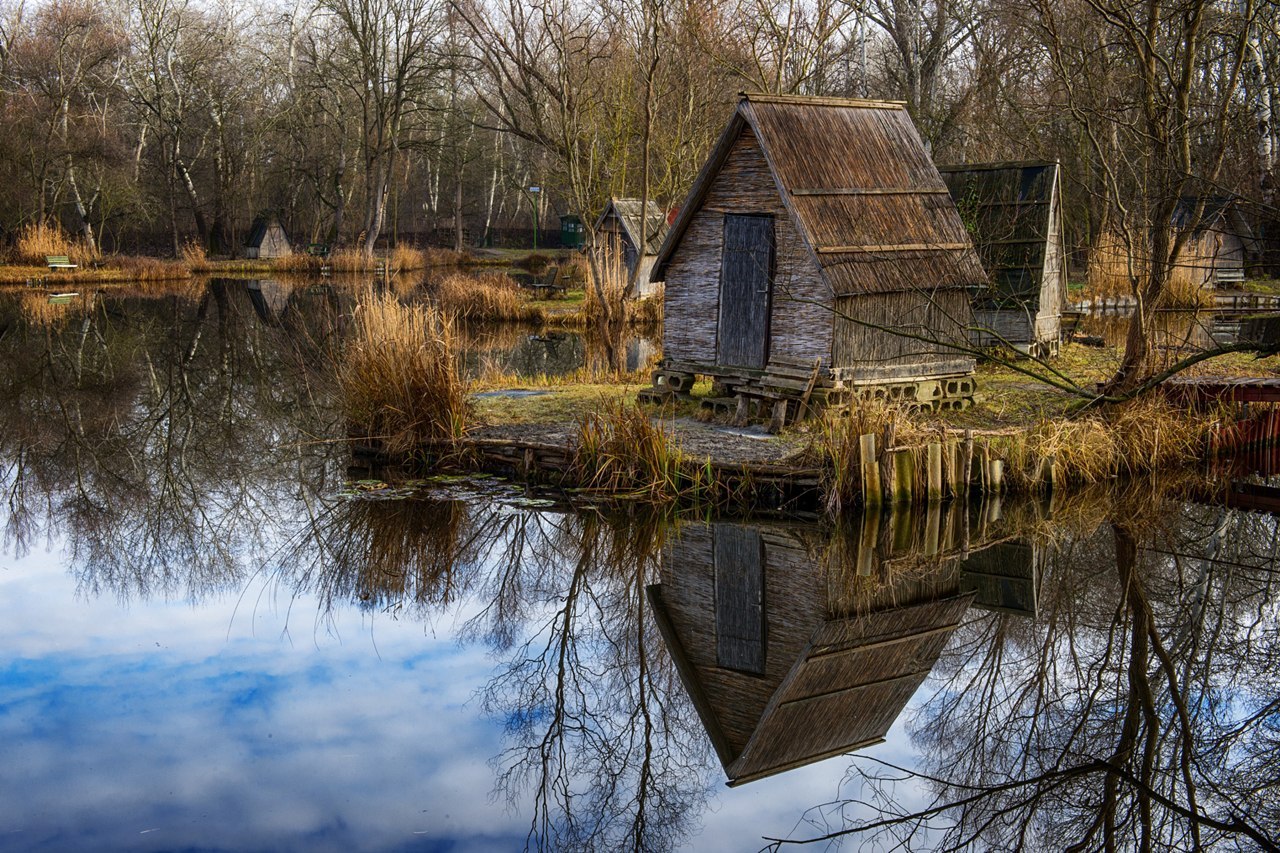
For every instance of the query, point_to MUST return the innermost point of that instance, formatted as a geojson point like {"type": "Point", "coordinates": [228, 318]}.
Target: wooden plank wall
{"type": "Point", "coordinates": [874, 354]}
{"type": "Point", "coordinates": [692, 307]}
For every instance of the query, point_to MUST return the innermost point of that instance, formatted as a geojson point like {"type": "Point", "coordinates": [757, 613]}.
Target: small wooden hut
{"type": "Point", "coordinates": [1014, 213]}
{"type": "Point", "coordinates": [819, 237]}
{"type": "Point", "coordinates": [1220, 241]}
{"type": "Point", "coordinates": [787, 658]}
{"type": "Point", "coordinates": [618, 229]}
{"type": "Point", "coordinates": [267, 240]}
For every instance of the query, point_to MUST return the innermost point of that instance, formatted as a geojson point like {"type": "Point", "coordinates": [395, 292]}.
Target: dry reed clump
{"type": "Point", "coordinates": [194, 257]}
{"type": "Point", "coordinates": [37, 241]}
{"type": "Point", "coordinates": [610, 272]}
{"type": "Point", "coordinates": [485, 297]}
{"type": "Point", "coordinates": [408, 258]}
{"type": "Point", "coordinates": [1138, 437]}
{"type": "Point", "coordinates": [621, 451]}
{"type": "Point", "coordinates": [401, 375]}
{"type": "Point", "coordinates": [1112, 272]}
{"type": "Point", "coordinates": [647, 311]}
{"type": "Point", "coordinates": [299, 262]}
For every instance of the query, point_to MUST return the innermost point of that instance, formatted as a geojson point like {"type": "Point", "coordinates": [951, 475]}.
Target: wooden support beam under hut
{"type": "Point", "coordinates": [818, 258]}
{"type": "Point", "coordinates": [1014, 213]}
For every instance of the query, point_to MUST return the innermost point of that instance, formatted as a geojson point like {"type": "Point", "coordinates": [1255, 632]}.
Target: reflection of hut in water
{"type": "Point", "coordinates": [270, 299]}
{"type": "Point", "coordinates": [819, 228]}
{"type": "Point", "coordinates": [618, 229]}
{"type": "Point", "coordinates": [1014, 213]}
{"type": "Point", "coordinates": [267, 240]}
{"type": "Point", "coordinates": [1005, 576]}
{"type": "Point", "coordinates": [789, 660]}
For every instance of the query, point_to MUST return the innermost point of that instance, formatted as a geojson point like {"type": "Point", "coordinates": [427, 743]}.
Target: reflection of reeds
{"type": "Point", "coordinates": [400, 375]}
{"type": "Point", "coordinates": [44, 310]}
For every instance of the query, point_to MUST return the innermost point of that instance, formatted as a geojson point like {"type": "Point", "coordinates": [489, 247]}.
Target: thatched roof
{"type": "Point", "coordinates": [1224, 214]}
{"type": "Point", "coordinates": [861, 188]}
{"type": "Point", "coordinates": [1007, 208]}
{"type": "Point", "coordinates": [628, 212]}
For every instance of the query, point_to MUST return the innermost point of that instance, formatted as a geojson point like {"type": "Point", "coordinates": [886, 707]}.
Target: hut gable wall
{"type": "Point", "coordinates": [798, 328]}
{"type": "Point", "coordinates": [865, 353]}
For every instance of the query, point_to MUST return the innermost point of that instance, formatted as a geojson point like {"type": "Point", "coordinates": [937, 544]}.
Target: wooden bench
{"type": "Point", "coordinates": [59, 262]}
{"type": "Point", "coordinates": [318, 250]}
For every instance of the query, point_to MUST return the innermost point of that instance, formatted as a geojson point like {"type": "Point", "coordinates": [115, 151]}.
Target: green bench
{"type": "Point", "coordinates": [59, 262]}
{"type": "Point", "coordinates": [318, 250]}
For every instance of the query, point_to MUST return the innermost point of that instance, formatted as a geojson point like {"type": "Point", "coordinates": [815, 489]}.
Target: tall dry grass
{"type": "Point", "coordinates": [38, 240]}
{"type": "Point", "coordinates": [1112, 270]}
{"type": "Point", "coordinates": [621, 451]}
{"type": "Point", "coordinates": [195, 257]}
{"type": "Point", "coordinates": [401, 375]}
{"type": "Point", "coordinates": [485, 297]}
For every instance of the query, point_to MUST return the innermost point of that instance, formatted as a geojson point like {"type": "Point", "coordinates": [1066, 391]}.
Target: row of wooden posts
{"type": "Point", "coordinates": [950, 470]}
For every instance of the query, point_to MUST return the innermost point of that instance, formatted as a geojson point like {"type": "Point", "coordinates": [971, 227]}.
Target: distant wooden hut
{"type": "Point", "coordinates": [1220, 242]}
{"type": "Point", "coordinates": [820, 233]}
{"type": "Point", "coordinates": [1014, 213]}
{"type": "Point", "coordinates": [618, 229]}
{"type": "Point", "coordinates": [787, 659]}
{"type": "Point", "coordinates": [267, 240]}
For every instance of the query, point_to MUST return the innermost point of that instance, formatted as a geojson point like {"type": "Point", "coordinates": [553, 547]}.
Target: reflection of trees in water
{"type": "Point", "coordinates": [599, 730]}
{"type": "Point", "coordinates": [1139, 711]}
{"type": "Point", "coordinates": [152, 434]}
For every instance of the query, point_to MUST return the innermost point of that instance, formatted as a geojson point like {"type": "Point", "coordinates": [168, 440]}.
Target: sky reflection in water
{"type": "Point", "coordinates": [207, 645]}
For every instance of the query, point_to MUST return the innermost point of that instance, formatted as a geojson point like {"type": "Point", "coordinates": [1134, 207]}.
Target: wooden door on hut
{"type": "Point", "coordinates": [746, 290]}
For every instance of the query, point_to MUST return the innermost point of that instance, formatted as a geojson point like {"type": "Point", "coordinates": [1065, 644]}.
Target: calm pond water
{"type": "Point", "coordinates": [219, 632]}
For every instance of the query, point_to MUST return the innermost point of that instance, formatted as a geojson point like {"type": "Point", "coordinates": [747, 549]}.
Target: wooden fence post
{"type": "Point", "coordinates": [871, 493]}
{"type": "Point", "coordinates": [935, 472]}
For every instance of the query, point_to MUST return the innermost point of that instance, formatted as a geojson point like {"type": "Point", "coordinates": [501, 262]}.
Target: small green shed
{"type": "Point", "coordinates": [572, 232]}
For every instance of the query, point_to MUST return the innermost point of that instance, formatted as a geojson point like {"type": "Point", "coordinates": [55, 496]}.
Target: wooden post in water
{"type": "Point", "coordinates": [902, 473]}
{"type": "Point", "coordinates": [934, 472]}
{"type": "Point", "coordinates": [997, 475]}
{"type": "Point", "coordinates": [933, 529]}
{"type": "Point", "coordinates": [868, 539]}
{"type": "Point", "coordinates": [871, 494]}
{"type": "Point", "coordinates": [966, 462]}
{"type": "Point", "coordinates": [953, 466]}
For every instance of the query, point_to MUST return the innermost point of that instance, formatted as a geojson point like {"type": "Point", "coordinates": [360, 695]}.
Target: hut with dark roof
{"type": "Point", "coordinates": [819, 236]}
{"type": "Point", "coordinates": [1014, 213]}
{"type": "Point", "coordinates": [267, 240]}
{"type": "Point", "coordinates": [618, 229]}
{"type": "Point", "coordinates": [790, 657]}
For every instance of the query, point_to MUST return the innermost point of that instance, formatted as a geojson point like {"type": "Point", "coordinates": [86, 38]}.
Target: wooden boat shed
{"type": "Point", "coordinates": [619, 226]}
{"type": "Point", "coordinates": [819, 253]}
{"type": "Point", "coordinates": [1014, 214]}
{"type": "Point", "coordinates": [267, 240]}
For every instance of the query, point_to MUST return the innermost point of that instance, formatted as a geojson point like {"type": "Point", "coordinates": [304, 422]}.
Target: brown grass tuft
{"type": "Point", "coordinates": [401, 375]}
{"type": "Point", "coordinates": [35, 242]}
{"type": "Point", "coordinates": [621, 451]}
{"type": "Point", "coordinates": [485, 297]}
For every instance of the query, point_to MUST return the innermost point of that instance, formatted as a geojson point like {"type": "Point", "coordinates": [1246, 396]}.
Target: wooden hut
{"type": "Point", "coordinates": [818, 251]}
{"type": "Point", "coordinates": [267, 240]}
{"type": "Point", "coordinates": [1014, 213]}
{"type": "Point", "coordinates": [787, 658]}
{"type": "Point", "coordinates": [618, 229]}
{"type": "Point", "coordinates": [1220, 242]}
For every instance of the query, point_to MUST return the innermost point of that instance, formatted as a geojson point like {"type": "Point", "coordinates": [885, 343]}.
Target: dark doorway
{"type": "Point", "coordinates": [739, 565]}
{"type": "Point", "coordinates": [746, 290]}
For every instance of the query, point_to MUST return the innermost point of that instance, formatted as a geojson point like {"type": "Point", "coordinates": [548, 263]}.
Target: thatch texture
{"type": "Point", "coordinates": [626, 213]}
{"type": "Point", "coordinates": [862, 189]}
